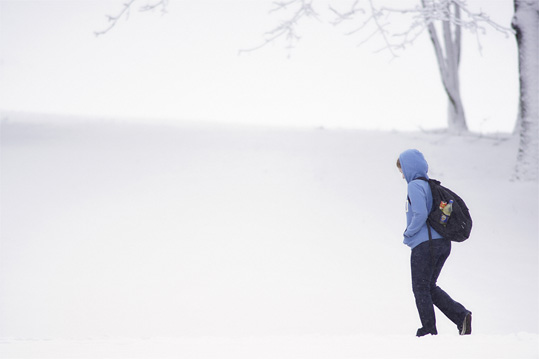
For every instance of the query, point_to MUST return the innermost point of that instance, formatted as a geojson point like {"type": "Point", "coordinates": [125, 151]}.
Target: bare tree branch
{"type": "Point", "coordinates": [422, 17]}
{"type": "Point", "coordinates": [150, 7]}
{"type": "Point", "coordinates": [114, 19]}
{"type": "Point", "coordinates": [347, 15]}
{"type": "Point", "coordinates": [127, 6]}
{"type": "Point", "coordinates": [287, 28]}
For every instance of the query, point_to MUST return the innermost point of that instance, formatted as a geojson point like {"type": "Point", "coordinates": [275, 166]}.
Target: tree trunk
{"type": "Point", "coordinates": [448, 63]}
{"type": "Point", "coordinates": [456, 120]}
{"type": "Point", "coordinates": [526, 25]}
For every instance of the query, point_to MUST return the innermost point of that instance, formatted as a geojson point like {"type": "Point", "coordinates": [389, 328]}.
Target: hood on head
{"type": "Point", "coordinates": [413, 165]}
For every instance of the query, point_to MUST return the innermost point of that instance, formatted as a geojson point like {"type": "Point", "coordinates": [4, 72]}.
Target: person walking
{"type": "Point", "coordinates": [428, 256]}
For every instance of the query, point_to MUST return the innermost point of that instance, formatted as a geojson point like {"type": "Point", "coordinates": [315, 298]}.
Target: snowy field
{"type": "Point", "coordinates": [139, 241]}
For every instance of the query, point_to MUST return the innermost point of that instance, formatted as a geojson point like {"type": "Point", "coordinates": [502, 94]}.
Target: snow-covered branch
{"type": "Point", "coordinates": [162, 4]}
{"type": "Point", "coordinates": [421, 17]}
{"type": "Point", "coordinates": [373, 20]}
{"type": "Point", "coordinates": [340, 16]}
{"type": "Point", "coordinates": [287, 28]}
{"type": "Point", "coordinates": [114, 19]}
{"type": "Point", "coordinates": [126, 8]}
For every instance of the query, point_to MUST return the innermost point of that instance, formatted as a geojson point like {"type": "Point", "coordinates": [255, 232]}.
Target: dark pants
{"type": "Point", "coordinates": [427, 261]}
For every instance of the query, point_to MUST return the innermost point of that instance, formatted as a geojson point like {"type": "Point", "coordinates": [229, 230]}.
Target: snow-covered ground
{"type": "Point", "coordinates": [139, 241]}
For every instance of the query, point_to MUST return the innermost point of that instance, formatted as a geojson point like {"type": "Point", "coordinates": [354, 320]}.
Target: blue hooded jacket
{"type": "Point", "coordinates": [413, 166]}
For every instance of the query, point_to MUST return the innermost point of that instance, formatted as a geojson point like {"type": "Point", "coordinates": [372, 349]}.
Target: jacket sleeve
{"type": "Point", "coordinates": [418, 207]}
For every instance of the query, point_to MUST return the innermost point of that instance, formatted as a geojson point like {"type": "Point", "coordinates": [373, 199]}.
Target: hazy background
{"type": "Point", "coordinates": [185, 66]}
{"type": "Point", "coordinates": [237, 241]}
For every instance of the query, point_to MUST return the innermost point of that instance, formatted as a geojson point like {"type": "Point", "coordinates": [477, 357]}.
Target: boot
{"type": "Point", "coordinates": [422, 332]}
{"type": "Point", "coordinates": [466, 327]}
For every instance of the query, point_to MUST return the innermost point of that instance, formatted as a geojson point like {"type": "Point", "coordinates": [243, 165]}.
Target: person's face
{"type": "Point", "coordinates": [400, 170]}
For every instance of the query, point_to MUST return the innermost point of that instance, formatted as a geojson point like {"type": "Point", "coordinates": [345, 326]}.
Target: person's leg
{"type": "Point", "coordinates": [422, 272]}
{"type": "Point", "coordinates": [453, 310]}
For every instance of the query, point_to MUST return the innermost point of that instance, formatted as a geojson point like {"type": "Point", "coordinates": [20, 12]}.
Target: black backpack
{"type": "Point", "coordinates": [459, 225]}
